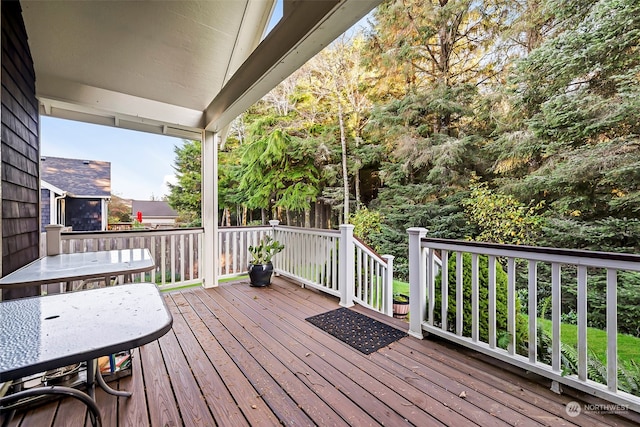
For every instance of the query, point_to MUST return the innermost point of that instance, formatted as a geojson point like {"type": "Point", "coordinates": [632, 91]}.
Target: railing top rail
{"type": "Point", "coordinates": [369, 250]}
{"type": "Point", "coordinates": [135, 231]}
{"type": "Point", "coordinates": [540, 253]}
{"type": "Point", "coordinates": [244, 227]}
{"type": "Point", "coordinates": [317, 231]}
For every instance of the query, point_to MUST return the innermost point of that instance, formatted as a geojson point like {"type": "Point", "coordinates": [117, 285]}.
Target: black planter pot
{"type": "Point", "coordinates": [260, 274]}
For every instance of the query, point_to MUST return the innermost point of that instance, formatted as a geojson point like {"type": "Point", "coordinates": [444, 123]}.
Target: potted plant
{"type": "Point", "coordinates": [260, 267]}
{"type": "Point", "coordinates": [400, 305]}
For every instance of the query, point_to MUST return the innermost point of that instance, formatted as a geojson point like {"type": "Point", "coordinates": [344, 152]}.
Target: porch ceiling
{"type": "Point", "coordinates": [173, 67]}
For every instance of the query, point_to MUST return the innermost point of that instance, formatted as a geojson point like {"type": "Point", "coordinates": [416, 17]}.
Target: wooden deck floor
{"type": "Point", "coordinates": [242, 356]}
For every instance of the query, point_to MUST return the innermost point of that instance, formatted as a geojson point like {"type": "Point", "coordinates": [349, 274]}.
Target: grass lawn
{"type": "Point", "coordinates": [628, 345]}
{"type": "Point", "coordinates": [400, 287]}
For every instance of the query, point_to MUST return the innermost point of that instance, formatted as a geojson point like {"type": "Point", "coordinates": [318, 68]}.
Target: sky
{"type": "Point", "coordinates": [141, 163]}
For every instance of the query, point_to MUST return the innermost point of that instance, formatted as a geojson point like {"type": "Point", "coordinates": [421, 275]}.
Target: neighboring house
{"type": "Point", "coordinates": [154, 213]}
{"type": "Point", "coordinates": [74, 193]}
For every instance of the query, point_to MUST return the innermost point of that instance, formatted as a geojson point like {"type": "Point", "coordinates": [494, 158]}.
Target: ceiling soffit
{"type": "Point", "coordinates": [172, 67]}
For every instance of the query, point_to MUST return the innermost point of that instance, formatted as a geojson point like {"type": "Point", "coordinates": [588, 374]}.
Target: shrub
{"type": "Point", "coordinates": [483, 299]}
{"type": "Point", "coordinates": [365, 223]}
{"type": "Point", "coordinates": [628, 370]}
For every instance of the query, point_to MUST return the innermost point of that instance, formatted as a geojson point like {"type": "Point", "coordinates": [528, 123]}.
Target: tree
{"type": "Point", "coordinates": [336, 79]}
{"type": "Point", "coordinates": [366, 223]}
{"type": "Point", "coordinates": [577, 96]}
{"type": "Point", "coordinates": [447, 53]}
{"type": "Point", "coordinates": [119, 209]}
{"type": "Point", "coordinates": [276, 170]}
{"type": "Point", "coordinates": [434, 63]}
{"type": "Point", "coordinates": [186, 195]}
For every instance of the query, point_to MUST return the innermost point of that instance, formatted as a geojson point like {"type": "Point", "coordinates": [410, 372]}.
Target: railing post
{"type": "Point", "coordinates": [387, 303]}
{"type": "Point", "coordinates": [54, 239]}
{"type": "Point", "coordinates": [209, 206]}
{"type": "Point", "coordinates": [274, 223]}
{"type": "Point", "coordinates": [345, 265]}
{"type": "Point", "coordinates": [417, 288]}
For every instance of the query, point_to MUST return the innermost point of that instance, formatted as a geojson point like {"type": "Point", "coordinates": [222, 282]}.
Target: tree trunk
{"type": "Point", "coordinates": [356, 184]}
{"type": "Point", "coordinates": [317, 215]}
{"type": "Point", "coordinates": [345, 176]}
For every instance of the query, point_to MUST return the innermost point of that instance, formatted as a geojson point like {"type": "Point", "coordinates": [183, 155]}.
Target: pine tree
{"type": "Point", "coordinates": [185, 196]}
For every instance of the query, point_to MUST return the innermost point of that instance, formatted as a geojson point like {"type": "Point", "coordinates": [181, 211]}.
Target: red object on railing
{"type": "Point", "coordinates": [139, 216]}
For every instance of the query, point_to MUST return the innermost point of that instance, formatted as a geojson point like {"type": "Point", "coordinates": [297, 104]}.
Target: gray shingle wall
{"type": "Point", "coordinates": [45, 208]}
{"type": "Point", "coordinates": [20, 146]}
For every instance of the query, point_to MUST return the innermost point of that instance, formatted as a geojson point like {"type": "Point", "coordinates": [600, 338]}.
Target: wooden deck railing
{"type": "Point", "coordinates": [332, 261]}
{"type": "Point", "coordinates": [177, 252]}
{"type": "Point", "coordinates": [314, 257]}
{"type": "Point", "coordinates": [429, 285]}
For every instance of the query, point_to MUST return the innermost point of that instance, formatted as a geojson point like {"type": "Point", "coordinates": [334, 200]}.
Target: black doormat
{"type": "Point", "coordinates": [359, 331]}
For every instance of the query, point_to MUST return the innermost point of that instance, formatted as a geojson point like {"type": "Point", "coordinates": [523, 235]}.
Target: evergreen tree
{"type": "Point", "coordinates": [277, 172]}
{"type": "Point", "coordinates": [436, 60]}
{"type": "Point", "coordinates": [577, 95]}
{"type": "Point", "coordinates": [186, 195]}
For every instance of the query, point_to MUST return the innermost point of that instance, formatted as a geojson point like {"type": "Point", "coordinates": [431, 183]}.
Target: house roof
{"type": "Point", "coordinates": [173, 67]}
{"type": "Point", "coordinates": [152, 208]}
{"type": "Point", "coordinates": [77, 177]}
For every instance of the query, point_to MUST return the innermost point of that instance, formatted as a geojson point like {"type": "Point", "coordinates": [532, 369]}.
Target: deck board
{"type": "Point", "coordinates": [263, 385]}
{"type": "Point", "coordinates": [183, 382]}
{"type": "Point", "coordinates": [163, 410]}
{"type": "Point", "coordinates": [275, 359]}
{"type": "Point", "coordinates": [132, 411]}
{"type": "Point", "coordinates": [209, 360]}
{"type": "Point", "coordinates": [437, 404]}
{"type": "Point", "coordinates": [326, 381]}
{"type": "Point", "coordinates": [324, 347]}
{"type": "Point", "coordinates": [243, 356]}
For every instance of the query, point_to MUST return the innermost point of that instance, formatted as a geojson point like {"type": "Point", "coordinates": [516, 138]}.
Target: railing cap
{"type": "Point", "coordinates": [543, 250]}
{"type": "Point", "coordinates": [53, 226]}
{"type": "Point", "coordinates": [417, 230]}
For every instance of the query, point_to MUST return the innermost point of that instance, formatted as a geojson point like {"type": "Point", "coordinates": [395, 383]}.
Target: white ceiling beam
{"type": "Point", "coordinates": [75, 112]}
{"type": "Point", "coordinates": [88, 99]}
{"type": "Point", "coordinates": [305, 29]}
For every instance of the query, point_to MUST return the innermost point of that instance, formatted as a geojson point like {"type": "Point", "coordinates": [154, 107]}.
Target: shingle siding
{"type": "Point", "coordinates": [84, 214]}
{"type": "Point", "coordinates": [45, 208]}
{"type": "Point", "coordinates": [19, 151]}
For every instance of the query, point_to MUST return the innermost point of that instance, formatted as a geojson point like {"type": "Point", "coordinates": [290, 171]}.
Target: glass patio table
{"type": "Point", "coordinates": [80, 266]}
{"type": "Point", "coordinates": [53, 331]}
